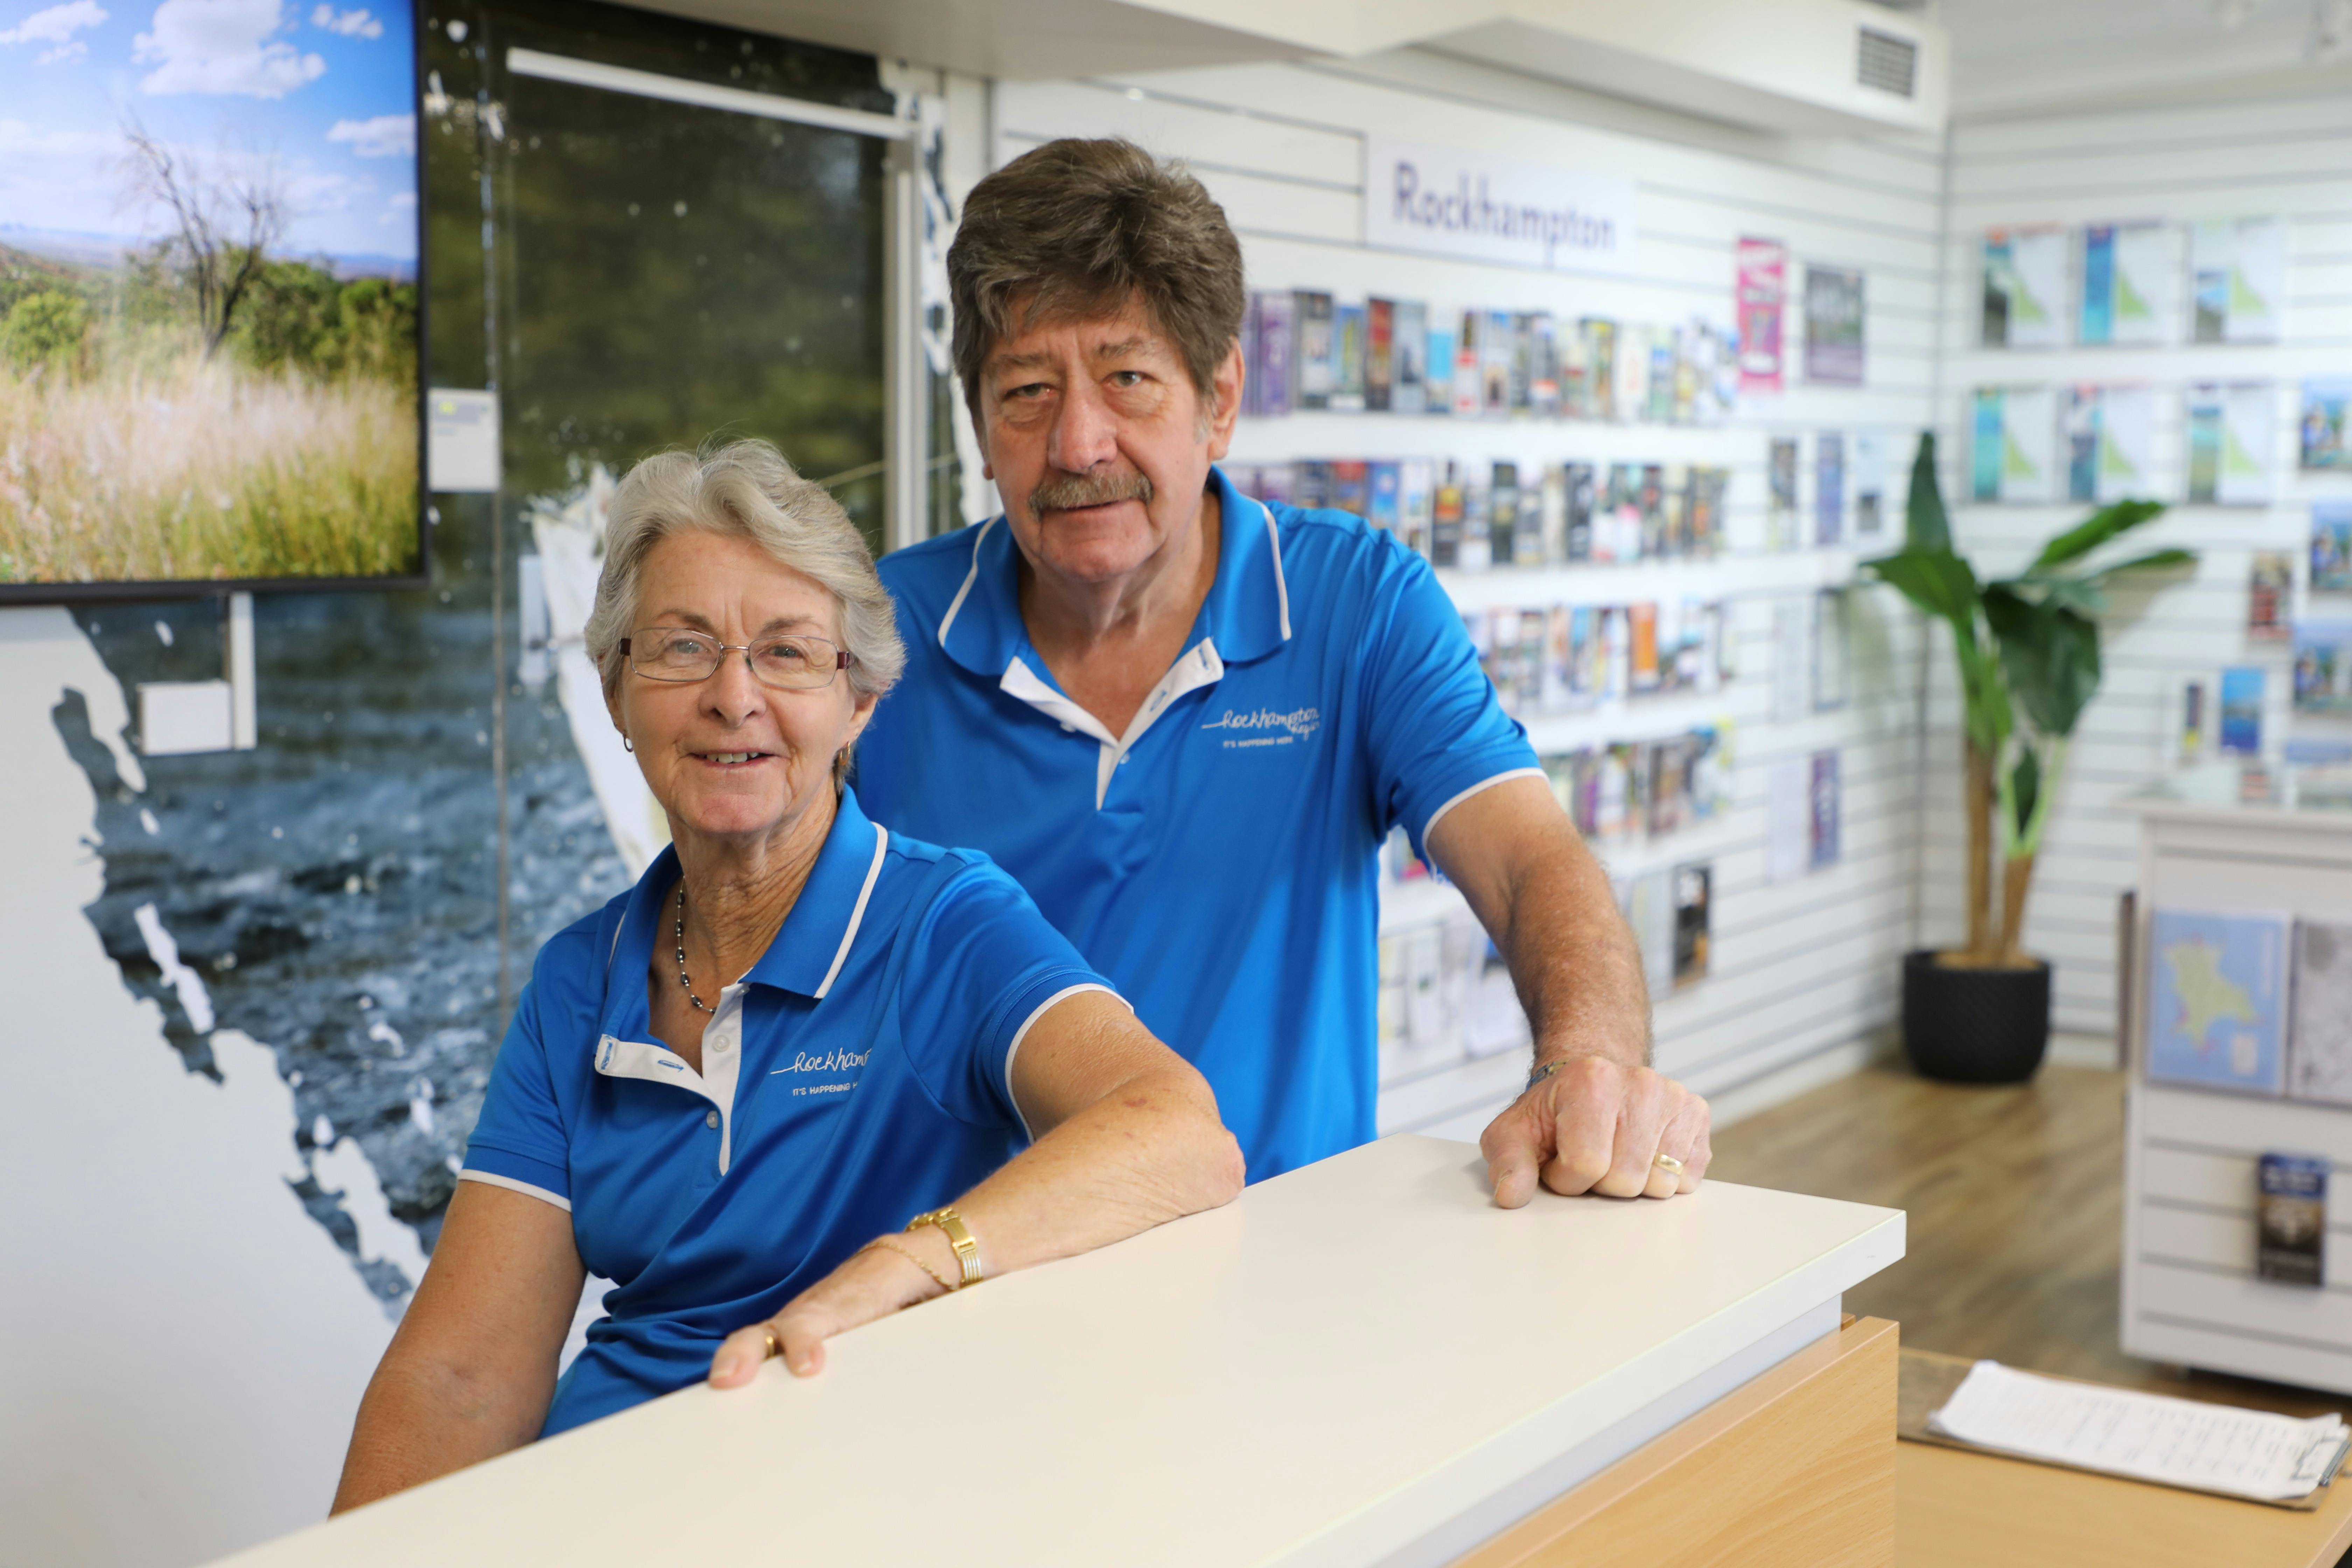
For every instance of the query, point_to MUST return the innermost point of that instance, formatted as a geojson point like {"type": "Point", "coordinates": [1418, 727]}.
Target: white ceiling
{"type": "Point", "coordinates": [2011, 57]}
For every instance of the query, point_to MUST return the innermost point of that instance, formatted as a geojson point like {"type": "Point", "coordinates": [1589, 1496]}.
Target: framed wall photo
{"type": "Point", "coordinates": [209, 305]}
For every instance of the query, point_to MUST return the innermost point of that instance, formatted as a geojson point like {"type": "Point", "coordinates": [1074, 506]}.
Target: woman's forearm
{"type": "Point", "coordinates": [1132, 1140]}
{"type": "Point", "coordinates": [419, 1421]}
{"type": "Point", "coordinates": [470, 1373]}
{"type": "Point", "coordinates": [1150, 1150]}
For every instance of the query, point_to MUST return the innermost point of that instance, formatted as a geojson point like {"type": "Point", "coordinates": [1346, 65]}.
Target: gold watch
{"type": "Point", "coordinates": [951, 1225]}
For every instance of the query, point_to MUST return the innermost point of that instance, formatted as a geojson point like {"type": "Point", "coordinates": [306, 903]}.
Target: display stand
{"type": "Point", "coordinates": [1361, 1363]}
{"type": "Point", "coordinates": [2190, 1291]}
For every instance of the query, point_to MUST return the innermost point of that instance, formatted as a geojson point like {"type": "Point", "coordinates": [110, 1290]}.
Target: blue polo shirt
{"type": "Point", "coordinates": [1219, 860]}
{"type": "Point", "coordinates": [859, 1074]}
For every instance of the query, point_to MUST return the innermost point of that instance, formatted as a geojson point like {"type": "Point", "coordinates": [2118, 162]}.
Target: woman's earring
{"type": "Point", "coordinates": [627, 744]}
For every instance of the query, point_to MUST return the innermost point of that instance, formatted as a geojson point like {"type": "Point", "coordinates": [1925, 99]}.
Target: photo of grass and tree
{"type": "Point", "coordinates": [208, 294]}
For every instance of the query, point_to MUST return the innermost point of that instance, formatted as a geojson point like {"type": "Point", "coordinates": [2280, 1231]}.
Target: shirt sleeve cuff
{"type": "Point", "coordinates": [1020, 1009]}
{"type": "Point", "coordinates": [520, 1174]}
{"type": "Point", "coordinates": [1427, 802]}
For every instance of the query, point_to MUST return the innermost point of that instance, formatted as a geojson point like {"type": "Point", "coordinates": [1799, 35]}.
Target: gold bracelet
{"type": "Point", "coordinates": [967, 1249]}
{"type": "Point", "coordinates": [886, 1244]}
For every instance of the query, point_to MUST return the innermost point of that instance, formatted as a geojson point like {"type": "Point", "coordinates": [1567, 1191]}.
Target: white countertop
{"type": "Point", "coordinates": [1341, 1361]}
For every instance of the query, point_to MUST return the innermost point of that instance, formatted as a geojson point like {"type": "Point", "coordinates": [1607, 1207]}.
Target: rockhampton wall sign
{"type": "Point", "coordinates": [1465, 204]}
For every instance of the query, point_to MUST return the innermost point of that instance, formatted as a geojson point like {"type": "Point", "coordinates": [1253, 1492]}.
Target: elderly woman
{"type": "Point", "coordinates": [772, 1091]}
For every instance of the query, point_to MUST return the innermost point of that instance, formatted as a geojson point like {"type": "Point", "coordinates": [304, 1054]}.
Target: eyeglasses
{"type": "Point", "coordinates": [793, 663]}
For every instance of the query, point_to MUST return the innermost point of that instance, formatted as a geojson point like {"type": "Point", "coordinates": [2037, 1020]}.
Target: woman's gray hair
{"type": "Point", "coordinates": [744, 488]}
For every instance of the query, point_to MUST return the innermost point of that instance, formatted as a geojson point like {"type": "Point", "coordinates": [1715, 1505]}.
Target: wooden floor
{"type": "Point", "coordinates": [2015, 1198]}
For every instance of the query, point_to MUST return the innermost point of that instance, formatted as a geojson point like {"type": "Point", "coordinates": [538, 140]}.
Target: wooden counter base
{"type": "Point", "coordinates": [1795, 1469]}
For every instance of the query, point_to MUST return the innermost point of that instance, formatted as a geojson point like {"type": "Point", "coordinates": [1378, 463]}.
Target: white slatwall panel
{"type": "Point", "coordinates": [1799, 969]}
{"type": "Point", "coordinates": [2283, 156]}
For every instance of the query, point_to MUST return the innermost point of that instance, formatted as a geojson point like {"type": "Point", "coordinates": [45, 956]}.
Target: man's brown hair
{"type": "Point", "coordinates": [1076, 228]}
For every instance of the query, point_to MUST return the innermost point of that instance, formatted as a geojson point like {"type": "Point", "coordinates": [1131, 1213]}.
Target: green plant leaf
{"type": "Point", "coordinates": [2025, 789]}
{"type": "Point", "coordinates": [2094, 530]}
{"type": "Point", "coordinates": [2051, 655]}
{"type": "Point", "coordinates": [1938, 581]}
{"type": "Point", "coordinates": [2154, 561]}
{"type": "Point", "coordinates": [2081, 593]}
{"type": "Point", "coordinates": [1924, 526]}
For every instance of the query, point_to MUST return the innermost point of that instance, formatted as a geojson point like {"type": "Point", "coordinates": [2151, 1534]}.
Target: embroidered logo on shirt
{"type": "Point", "coordinates": [1294, 725]}
{"type": "Point", "coordinates": [830, 1062]}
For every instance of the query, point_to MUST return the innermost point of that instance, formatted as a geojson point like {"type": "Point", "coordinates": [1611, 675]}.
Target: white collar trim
{"type": "Point", "coordinates": [1201, 666]}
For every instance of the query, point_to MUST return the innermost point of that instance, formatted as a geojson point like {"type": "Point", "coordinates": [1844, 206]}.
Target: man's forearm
{"type": "Point", "coordinates": [1547, 902]}
{"type": "Point", "coordinates": [1575, 963]}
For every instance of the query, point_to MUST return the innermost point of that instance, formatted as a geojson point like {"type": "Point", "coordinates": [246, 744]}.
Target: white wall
{"type": "Point", "coordinates": [2278, 155]}
{"type": "Point", "coordinates": [184, 1347]}
{"type": "Point", "coordinates": [1803, 973]}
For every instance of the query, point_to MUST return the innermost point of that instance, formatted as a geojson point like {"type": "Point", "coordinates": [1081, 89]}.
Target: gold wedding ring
{"type": "Point", "coordinates": [1668, 1162]}
{"type": "Point", "coordinates": [774, 1350]}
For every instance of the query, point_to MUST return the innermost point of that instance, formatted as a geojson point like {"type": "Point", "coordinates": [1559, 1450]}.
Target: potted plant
{"type": "Point", "coordinates": [2028, 651]}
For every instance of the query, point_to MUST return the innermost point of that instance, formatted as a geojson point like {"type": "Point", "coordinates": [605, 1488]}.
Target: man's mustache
{"type": "Point", "coordinates": [1073, 490]}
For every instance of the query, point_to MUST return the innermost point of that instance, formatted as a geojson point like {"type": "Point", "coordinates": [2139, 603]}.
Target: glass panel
{"type": "Point", "coordinates": [676, 271]}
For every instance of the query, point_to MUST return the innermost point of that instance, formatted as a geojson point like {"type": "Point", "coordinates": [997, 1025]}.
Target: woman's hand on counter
{"type": "Point", "coordinates": [872, 1282]}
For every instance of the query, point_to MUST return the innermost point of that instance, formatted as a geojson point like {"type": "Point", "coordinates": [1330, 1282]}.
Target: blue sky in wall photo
{"type": "Point", "coordinates": [318, 97]}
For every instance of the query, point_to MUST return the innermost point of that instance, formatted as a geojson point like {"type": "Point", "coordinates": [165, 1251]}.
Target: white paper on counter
{"type": "Point", "coordinates": [2146, 1437]}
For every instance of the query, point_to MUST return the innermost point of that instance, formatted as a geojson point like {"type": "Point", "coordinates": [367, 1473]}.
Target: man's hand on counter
{"type": "Point", "coordinates": [1597, 1125]}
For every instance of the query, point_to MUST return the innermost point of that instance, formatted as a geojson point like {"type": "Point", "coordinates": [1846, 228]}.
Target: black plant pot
{"type": "Point", "coordinates": [1975, 1026]}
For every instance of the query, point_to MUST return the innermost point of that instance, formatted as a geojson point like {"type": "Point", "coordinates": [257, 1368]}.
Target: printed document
{"type": "Point", "coordinates": [2147, 1437]}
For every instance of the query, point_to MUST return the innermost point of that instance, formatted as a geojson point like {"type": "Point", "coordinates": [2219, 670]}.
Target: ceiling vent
{"type": "Point", "coordinates": [1887, 63]}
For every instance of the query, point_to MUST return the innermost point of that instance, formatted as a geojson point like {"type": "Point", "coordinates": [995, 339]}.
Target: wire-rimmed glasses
{"type": "Point", "coordinates": [792, 662]}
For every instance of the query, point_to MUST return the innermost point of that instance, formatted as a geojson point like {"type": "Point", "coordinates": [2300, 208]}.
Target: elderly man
{"type": "Point", "coordinates": [1184, 721]}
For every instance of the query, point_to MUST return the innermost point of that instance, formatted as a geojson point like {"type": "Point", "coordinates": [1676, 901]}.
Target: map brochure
{"type": "Point", "coordinates": [2231, 431]}
{"type": "Point", "coordinates": [2126, 444]}
{"type": "Point", "coordinates": [2217, 1000]}
{"type": "Point", "coordinates": [2238, 274]}
{"type": "Point", "coordinates": [2241, 711]}
{"type": "Point", "coordinates": [2025, 289]}
{"type": "Point", "coordinates": [2331, 547]}
{"type": "Point", "coordinates": [2270, 588]}
{"type": "Point", "coordinates": [2127, 272]}
{"type": "Point", "coordinates": [2319, 1052]}
{"type": "Point", "coordinates": [2290, 1219]}
{"type": "Point", "coordinates": [2013, 446]}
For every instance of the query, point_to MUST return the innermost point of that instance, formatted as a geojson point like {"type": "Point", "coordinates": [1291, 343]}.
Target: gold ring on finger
{"type": "Point", "coordinates": [774, 1348]}
{"type": "Point", "coordinates": [1668, 1163]}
